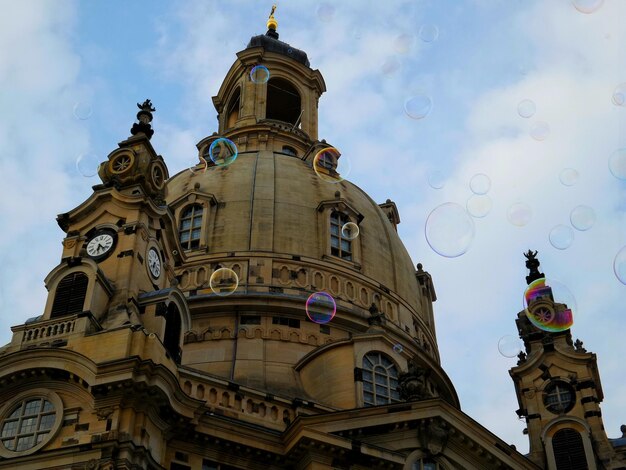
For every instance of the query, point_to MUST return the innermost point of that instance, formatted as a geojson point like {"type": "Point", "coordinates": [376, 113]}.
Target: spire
{"type": "Point", "coordinates": [532, 264]}
{"type": "Point", "coordinates": [144, 116]}
{"type": "Point", "coordinates": [272, 24]}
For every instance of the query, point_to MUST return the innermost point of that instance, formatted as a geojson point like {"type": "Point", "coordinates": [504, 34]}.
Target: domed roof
{"type": "Point", "coordinates": [273, 203]}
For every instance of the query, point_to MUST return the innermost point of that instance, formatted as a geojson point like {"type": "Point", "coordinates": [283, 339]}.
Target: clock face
{"type": "Point", "coordinates": [100, 245]}
{"type": "Point", "coordinates": [154, 263]}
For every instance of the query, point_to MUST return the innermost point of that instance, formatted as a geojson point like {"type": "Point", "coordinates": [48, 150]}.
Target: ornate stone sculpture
{"type": "Point", "coordinates": [413, 384]}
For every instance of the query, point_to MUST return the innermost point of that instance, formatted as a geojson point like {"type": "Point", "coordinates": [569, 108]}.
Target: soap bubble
{"type": "Point", "coordinates": [540, 310]}
{"type": "Point", "coordinates": [526, 108]}
{"type": "Point", "coordinates": [619, 95]}
{"type": "Point", "coordinates": [568, 177]}
{"type": "Point", "coordinates": [397, 348]}
{"type": "Point", "coordinates": [619, 265]}
{"type": "Point", "coordinates": [87, 164]}
{"type": "Point", "coordinates": [418, 107]}
{"type": "Point", "coordinates": [224, 281]}
{"type": "Point", "coordinates": [582, 217]}
{"type": "Point", "coordinates": [331, 166]}
{"type": "Point", "coordinates": [429, 33]}
{"type": "Point", "coordinates": [480, 184]}
{"type": "Point", "coordinates": [540, 131]}
{"type": "Point", "coordinates": [587, 6]}
{"type": "Point", "coordinates": [325, 12]}
{"type": "Point", "coordinates": [479, 205]}
{"type": "Point", "coordinates": [320, 307]}
{"type": "Point", "coordinates": [449, 230]}
{"type": "Point", "coordinates": [259, 74]}
{"type": "Point", "coordinates": [519, 214]}
{"type": "Point", "coordinates": [617, 164]}
{"type": "Point", "coordinates": [82, 110]}
{"type": "Point", "coordinates": [561, 237]}
{"type": "Point", "coordinates": [403, 43]}
{"type": "Point", "coordinates": [436, 179]}
{"type": "Point", "coordinates": [349, 231]}
{"type": "Point", "coordinates": [223, 152]}
{"type": "Point", "coordinates": [510, 345]}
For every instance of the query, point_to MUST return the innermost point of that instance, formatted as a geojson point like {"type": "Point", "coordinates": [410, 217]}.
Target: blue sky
{"type": "Point", "coordinates": [487, 58]}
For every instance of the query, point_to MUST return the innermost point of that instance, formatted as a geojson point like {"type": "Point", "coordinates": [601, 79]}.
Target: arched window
{"type": "Point", "coordinates": [232, 111]}
{"type": "Point", "coordinates": [380, 380]}
{"type": "Point", "coordinates": [283, 101]}
{"type": "Point", "coordinates": [340, 240]}
{"type": "Point", "coordinates": [190, 226]}
{"type": "Point", "coordinates": [569, 452]}
{"type": "Point", "coordinates": [171, 338]}
{"type": "Point", "coordinates": [425, 464]}
{"type": "Point", "coordinates": [69, 297]}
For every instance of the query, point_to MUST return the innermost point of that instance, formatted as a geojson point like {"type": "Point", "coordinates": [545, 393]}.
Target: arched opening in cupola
{"type": "Point", "coordinates": [232, 110]}
{"type": "Point", "coordinates": [283, 101]}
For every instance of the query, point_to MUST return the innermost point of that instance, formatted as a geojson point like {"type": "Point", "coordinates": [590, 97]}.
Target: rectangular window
{"type": "Point", "coordinates": [250, 319]}
{"type": "Point", "coordinates": [325, 329]}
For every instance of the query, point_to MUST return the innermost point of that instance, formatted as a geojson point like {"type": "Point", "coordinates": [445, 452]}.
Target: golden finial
{"type": "Point", "coordinates": [271, 22]}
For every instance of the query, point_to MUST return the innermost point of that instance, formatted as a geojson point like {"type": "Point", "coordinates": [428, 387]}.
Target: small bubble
{"type": "Point", "coordinates": [587, 6]}
{"type": "Point", "coordinates": [619, 265]}
{"type": "Point", "coordinates": [87, 164]}
{"type": "Point", "coordinates": [619, 95]}
{"type": "Point", "coordinates": [397, 348]}
{"type": "Point", "coordinates": [429, 33]}
{"type": "Point", "coordinates": [540, 131]}
{"type": "Point", "coordinates": [331, 166]}
{"type": "Point", "coordinates": [480, 184]}
{"type": "Point", "coordinates": [568, 177]}
{"type": "Point", "coordinates": [349, 231]}
{"type": "Point", "coordinates": [223, 152]}
{"type": "Point", "coordinates": [519, 214]}
{"type": "Point", "coordinates": [82, 111]}
{"type": "Point", "coordinates": [526, 108]}
{"type": "Point", "coordinates": [510, 345]}
{"type": "Point", "coordinates": [617, 164]}
{"type": "Point", "coordinates": [418, 107]}
{"type": "Point", "coordinates": [479, 205]}
{"type": "Point", "coordinates": [561, 237]}
{"type": "Point", "coordinates": [223, 282]}
{"type": "Point", "coordinates": [449, 230]}
{"type": "Point", "coordinates": [325, 12]}
{"type": "Point", "coordinates": [259, 74]}
{"type": "Point", "coordinates": [390, 65]}
{"type": "Point", "coordinates": [582, 218]}
{"type": "Point", "coordinates": [403, 43]}
{"type": "Point", "coordinates": [320, 307]}
{"type": "Point", "coordinates": [436, 179]}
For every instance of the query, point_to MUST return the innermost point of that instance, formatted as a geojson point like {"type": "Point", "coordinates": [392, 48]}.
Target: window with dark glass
{"type": "Point", "coordinates": [69, 297]}
{"type": "Point", "coordinates": [291, 322]}
{"type": "Point", "coordinates": [283, 101]}
{"type": "Point", "coordinates": [425, 464]}
{"type": "Point", "coordinates": [27, 424]}
{"type": "Point", "coordinates": [191, 226]}
{"type": "Point", "coordinates": [171, 338]}
{"type": "Point", "coordinates": [559, 397]}
{"type": "Point", "coordinates": [569, 451]}
{"type": "Point", "coordinates": [380, 380]}
{"type": "Point", "coordinates": [339, 245]}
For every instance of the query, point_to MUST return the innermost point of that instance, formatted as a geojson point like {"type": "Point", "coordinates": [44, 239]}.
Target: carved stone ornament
{"type": "Point", "coordinates": [69, 243]}
{"type": "Point", "coordinates": [104, 413]}
{"type": "Point", "coordinates": [433, 436]}
{"type": "Point", "coordinates": [376, 317]}
{"type": "Point", "coordinates": [413, 384]}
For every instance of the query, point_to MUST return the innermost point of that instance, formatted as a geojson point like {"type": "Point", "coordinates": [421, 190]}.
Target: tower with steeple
{"type": "Point", "coordinates": [557, 383]}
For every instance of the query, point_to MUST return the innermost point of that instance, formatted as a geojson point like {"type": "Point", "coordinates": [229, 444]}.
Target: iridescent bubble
{"type": "Point", "coordinates": [582, 218]}
{"type": "Point", "coordinates": [429, 33]}
{"type": "Point", "coordinates": [259, 74]}
{"type": "Point", "coordinates": [397, 348]}
{"type": "Point", "coordinates": [479, 205]}
{"type": "Point", "coordinates": [540, 131]}
{"type": "Point", "coordinates": [403, 43]}
{"type": "Point", "coordinates": [325, 12]}
{"type": "Point", "coordinates": [87, 164]}
{"type": "Point", "coordinates": [480, 184]}
{"type": "Point", "coordinates": [510, 345]}
{"type": "Point", "coordinates": [449, 230]}
{"type": "Point", "coordinates": [349, 231]}
{"type": "Point", "coordinates": [223, 281]}
{"type": "Point", "coordinates": [320, 307]}
{"type": "Point", "coordinates": [223, 151]}
{"type": "Point", "coordinates": [561, 237]}
{"type": "Point", "coordinates": [519, 214]}
{"type": "Point", "coordinates": [82, 110]}
{"type": "Point", "coordinates": [526, 108]}
{"type": "Point", "coordinates": [436, 179]}
{"type": "Point", "coordinates": [617, 164]}
{"type": "Point", "coordinates": [540, 310]}
{"type": "Point", "coordinates": [568, 177]}
{"type": "Point", "coordinates": [331, 166]}
{"type": "Point", "coordinates": [418, 107]}
{"type": "Point", "coordinates": [619, 265]}
{"type": "Point", "coordinates": [587, 6]}
{"type": "Point", "coordinates": [390, 65]}
{"type": "Point", "coordinates": [619, 95]}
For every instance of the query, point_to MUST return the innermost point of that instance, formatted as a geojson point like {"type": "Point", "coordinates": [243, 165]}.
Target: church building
{"type": "Point", "coordinates": [257, 311]}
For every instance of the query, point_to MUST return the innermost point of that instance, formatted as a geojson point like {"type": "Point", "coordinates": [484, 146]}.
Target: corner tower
{"type": "Point", "coordinates": [558, 386]}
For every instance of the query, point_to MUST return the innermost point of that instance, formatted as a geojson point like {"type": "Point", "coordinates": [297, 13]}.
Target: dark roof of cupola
{"type": "Point", "coordinates": [269, 41]}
